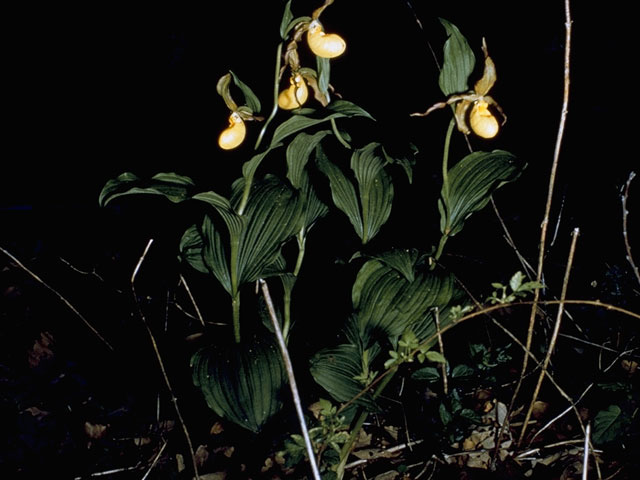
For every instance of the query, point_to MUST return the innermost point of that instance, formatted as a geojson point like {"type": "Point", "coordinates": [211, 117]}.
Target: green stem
{"type": "Point", "coordinates": [235, 304]}
{"type": "Point", "coordinates": [235, 293]}
{"type": "Point", "coordinates": [436, 256]}
{"type": "Point", "coordinates": [353, 436]}
{"type": "Point", "coordinates": [336, 132]}
{"type": "Point", "coordinates": [301, 238]}
{"type": "Point", "coordinates": [445, 190]}
{"type": "Point", "coordinates": [445, 158]}
{"type": "Point", "coordinates": [276, 86]}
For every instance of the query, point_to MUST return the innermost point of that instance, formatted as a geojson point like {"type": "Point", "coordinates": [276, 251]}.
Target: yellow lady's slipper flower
{"type": "Point", "coordinates": [322, 44]}
{"type": "Point", "coordinates": [482, 121]}
{"type": "Point", "coordinates": [234, 134]}
{"type": "Point", "coordinates": [295, 95]}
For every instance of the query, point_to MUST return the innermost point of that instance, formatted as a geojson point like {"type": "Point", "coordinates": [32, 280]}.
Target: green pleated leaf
{"type": "Point", "coordinates": [370, 209]}
{"type": "Point", "coordinates": [388, 301]}
{"type": "Point", "coordinates": [375, 188]}
{"type": "Point", "coordinates": [191, 249]}
{"type": "Point", "coordinates": [250, 98]}
{"type": "Point", "coordinates": [287, 16]}
{"type": "Point", "coordinates": [323, 65]}
{"type": "Point", "coordinates": [298, 154]}
{"type": "Point", "coordinates": [472, 181]}
{"type": "Point", "coordinates": [215, 254]}
{"type": "Point", "coordinates": [172, 186]}
{"type": "Point", "coordinates": [249, 167]}
{"type": "Point", "coordinates": [458, 63]}
{"type": "Point", "coordinates": [336, 109]}
{"type": "Point", "coordinates": [335, 370]}
{"type": "Point", "coordinates": [343, 192]}
{"type": "Point", "coordinates": [241, 382]}
{"type": "Point", "coordinates": [608, 425]}
{"type": "Point", "coordinates": [274, 214]}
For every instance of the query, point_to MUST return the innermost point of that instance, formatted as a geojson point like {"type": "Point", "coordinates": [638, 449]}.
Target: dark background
{"type": "Point", "coordinates": [93, 91]}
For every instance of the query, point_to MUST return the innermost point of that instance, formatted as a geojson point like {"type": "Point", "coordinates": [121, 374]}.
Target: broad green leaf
{"type": "Point", "coordinates": [241, 382]}
{"type": "Point", "coordinates": [429, 374]}
{"type": "Point", "coordinates": [287, 16]}
{"type": "Point", "coordinates": [343, 192]}
{"type": "Point", "coordinates": [386, 301]}
{"type": "Point", "coordinates": [336, 109]}
{"type": "Point", "coordinates": [608, 425]}
{"type": "Point", "coordinates": [516, 281]}
{"type": "Point", "coordinates": [172, 186]}
{"type": "Point", "coordinates": [472, 181]}
{"type": "Point", "coordinates": [323, 66]}
{"type": "Point", "coordinates": [375, 188]}
{"type": "Point", "coordinates": [215, 254]}
{"type": "Point", "coordinates": [249, 97]}
{"type": "Point", "coordinates": [459, 61]}
{"type": "Point", "coordinates": [273, 215]}
{"type": "Point", "coordinates": [298, 154]}
{"type": "Point", "coordinates": [436, 357]}
{"type": "Point", "coordinates": [249, 167]}
{"type": "Point", "coordinates": [406, 163]}
{"type": "Point", "coordinates": [191, 249]}
{"type": "Point", "coordinates": [368, 212]}
{"type": "Point", "coordinates": [335, 369]}
{"type": "Point", "coordinates": [462, 371]}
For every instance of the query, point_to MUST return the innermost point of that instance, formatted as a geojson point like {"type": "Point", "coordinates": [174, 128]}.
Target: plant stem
{"type": "Point", "coordinates": [301, 238]}
{"type": "Point", "coordinates": [235, 293]}
{"type": "Point", "coordinates": [353, 436]}
{"type": "Point", "coordinates": [445, 190]}
{"type": "Point", "coordinates": [276, 86]}
{"type": "Point", "coordinates": [336, 132]}
{"type": "Point", "coordinates": [445, 159]}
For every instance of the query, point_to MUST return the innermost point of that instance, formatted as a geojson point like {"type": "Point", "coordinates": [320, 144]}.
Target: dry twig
{"type": "Point", "coordinates": [292, 379]}
{"type": "Point", "coordinates": [625, 214]}
{"type": "Point", "coordinates": [55, 292]}
{"type": "Point", "coordinates": [554, 337]}
{"type": "Point", "coordinates": [552, 178]}
{"type": "Point", "coordinates": [174, 400]}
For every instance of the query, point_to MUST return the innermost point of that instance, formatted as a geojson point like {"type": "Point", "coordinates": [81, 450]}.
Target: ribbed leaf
{"type": "Point", "coordinates": [387, 302]}
{"type": "Point", "coordinates": [191, 249]}
{"type": "Point", "coordinates": [215, 254]}
{"type": "Point", "coordinates": [323, 65]}
{"type": "Point", "coordinates": [336, 109]}
{"type": "Point", "coordinates": [335, 369]}
{"type": "Point", "coordinates": [298, 154]}
{"type": "Point", "coordinates": [241, 382]}
{"type": "Point", "coordinates": [250, 98]}
{"type": "Point", "coordinates": [274, 214]}
{"type": "Point", "coordinates": [342, 191]}
{"type": "Point", "coordinates": [371, 210]}
{"type": "Point", "coordinates": [249, 168]}
{"type": "Point", "coordinates": [174, 187]}
{"type": "Point", "coordinates": [459, 61]}
{"type": "Point", "coordinates": [375, 188]}
{"type": "Point", "coordinates": [472, 181]}
{"type": "Point", "coordinates": [287, 16]}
